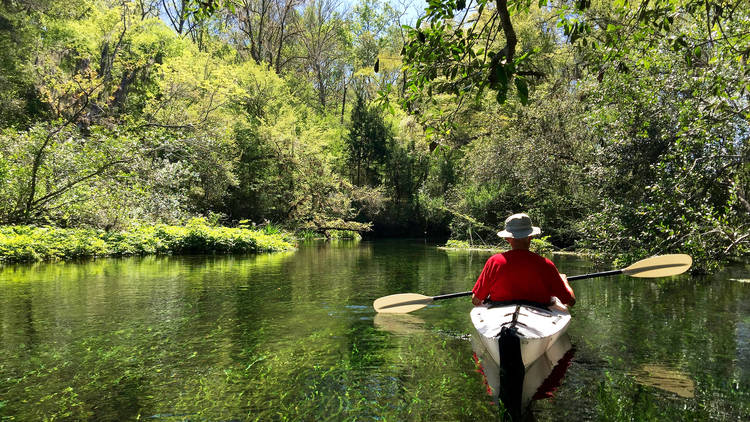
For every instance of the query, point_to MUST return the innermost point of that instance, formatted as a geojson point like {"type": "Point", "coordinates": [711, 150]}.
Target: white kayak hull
{"type": "Point", "coordinates": [538, 328]}
{"type": "Point", "coordinates": [535, 375]}
{"type": "Point", "coordinates": [532, 339]}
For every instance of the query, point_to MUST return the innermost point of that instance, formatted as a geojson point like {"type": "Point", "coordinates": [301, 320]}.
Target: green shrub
{"type": "Point", "coordinates": [29, 243]}
{"type": "Point", "coordinates": [343, 234]}
{"type": "Point", "coordinates": [458, 244]}
{"type": "Point", "coordinates": [541, 245]}
{"type": "Point", "coordinates": [308, 234]}
{"type": "Point", "coordinates": [271, 228]}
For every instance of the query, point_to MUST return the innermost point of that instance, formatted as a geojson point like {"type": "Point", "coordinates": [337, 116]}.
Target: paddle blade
{"type": "Point", "coordinates": [660, 266]}
{"type": "Point", "coordinates": [401, 303]}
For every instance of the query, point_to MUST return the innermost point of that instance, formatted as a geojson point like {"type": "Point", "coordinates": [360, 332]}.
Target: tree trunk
{"type": "Point", "coordinates": [343, 102]}
{"type": "Point", "coordinates": [510, 34]}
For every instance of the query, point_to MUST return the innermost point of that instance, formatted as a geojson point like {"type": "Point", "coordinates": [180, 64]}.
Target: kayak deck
{"type": "Point", "coordinates": [537, 328]}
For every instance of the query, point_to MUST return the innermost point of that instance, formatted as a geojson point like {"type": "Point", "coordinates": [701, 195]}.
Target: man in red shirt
{"type": "Point", "coordinates": [520, 274]}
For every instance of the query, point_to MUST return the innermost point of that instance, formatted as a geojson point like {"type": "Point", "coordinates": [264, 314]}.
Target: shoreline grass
{"type": "Point", "coordinates": [538, 245]}
{"type": "Point", "coordinates": [32, 243]}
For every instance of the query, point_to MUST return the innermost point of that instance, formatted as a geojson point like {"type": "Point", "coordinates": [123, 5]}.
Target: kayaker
{"type": "Point", "coordinates": [519, 274]}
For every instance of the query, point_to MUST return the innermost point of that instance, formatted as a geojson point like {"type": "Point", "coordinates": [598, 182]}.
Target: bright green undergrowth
{"type": "Point", "coordinates": [343, 234]}
{"type": "Point", "coordinates": [30, 243]}
{"type": "Point", "coordinates": [328, 235]}
{"type": "Point", "coordinates": [538, 245]}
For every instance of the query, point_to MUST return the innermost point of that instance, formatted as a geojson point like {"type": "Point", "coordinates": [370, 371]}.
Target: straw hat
{"type": "Point", "coordinates": [519, 226]}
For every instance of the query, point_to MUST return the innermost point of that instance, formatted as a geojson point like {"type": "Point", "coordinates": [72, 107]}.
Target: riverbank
{"type": "Point", "coordinates": [541, 246]}
{"type": "Point", "coordinates": [31, 243]}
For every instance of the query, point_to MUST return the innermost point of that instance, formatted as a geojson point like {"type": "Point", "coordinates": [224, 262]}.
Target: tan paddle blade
{"type": "Point", "coordinates": [401, 303]}
{"type": "Point", "coordinates": [660, 266]}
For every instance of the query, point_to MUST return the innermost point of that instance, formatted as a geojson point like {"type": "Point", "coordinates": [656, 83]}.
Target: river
{"type": "Point", "coordinates": [293, 336]}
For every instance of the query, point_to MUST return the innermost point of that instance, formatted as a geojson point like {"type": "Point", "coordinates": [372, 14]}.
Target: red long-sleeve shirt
{"type": "Point", "coordinates": [521, 275]}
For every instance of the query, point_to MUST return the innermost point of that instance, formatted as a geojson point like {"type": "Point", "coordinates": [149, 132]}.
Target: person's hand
{"type": "Point", "coordinates": [475, 300]}
{"type": "Point", "coordinates": [555, 304]}
{"type": "Point", "coordinates": [565, 280]}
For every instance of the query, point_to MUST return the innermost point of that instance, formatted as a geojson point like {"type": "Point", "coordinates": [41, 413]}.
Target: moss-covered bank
{"type": "Point", "coordinates": [31, 243]}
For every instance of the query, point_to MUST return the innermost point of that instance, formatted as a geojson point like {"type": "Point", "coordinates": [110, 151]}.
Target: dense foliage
{"type": "Point", "coordinates": [26, 243]}
{"type": "Point", "coordinates": [620, 126]}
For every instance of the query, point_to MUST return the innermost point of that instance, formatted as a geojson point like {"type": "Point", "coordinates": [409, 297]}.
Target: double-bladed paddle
{"type": "Point", "coordinates": [656, 266]}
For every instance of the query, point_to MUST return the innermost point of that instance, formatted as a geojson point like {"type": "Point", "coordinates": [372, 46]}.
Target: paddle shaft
{"type": "Point", "coordinates": [452, 295]}
{"type": "Point", "coordinates": [592, 275]}
{"type": "Point", "coordinates": [575, 277]}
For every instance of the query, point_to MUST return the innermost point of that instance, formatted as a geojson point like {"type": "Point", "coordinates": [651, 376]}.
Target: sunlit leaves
{"type": "Point", "coordinates": [203, 9]}
{"type": "Point", "coordinates": [29, 243]}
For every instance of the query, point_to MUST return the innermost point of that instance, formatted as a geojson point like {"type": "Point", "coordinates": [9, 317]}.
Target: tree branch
{"type": "Point", "coordinates": [69, 185]}
{"type": "Point", "coordinates": [736, 242]}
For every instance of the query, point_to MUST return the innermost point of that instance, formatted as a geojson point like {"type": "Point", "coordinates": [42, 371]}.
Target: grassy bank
{"type": "Point", "coordinates": [538, 245]}
{"type": "Point", "coordinates": [30, 243]}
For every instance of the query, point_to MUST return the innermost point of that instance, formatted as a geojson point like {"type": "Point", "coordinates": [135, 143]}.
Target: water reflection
{"type": "Point", "coordinates": [541, 379]}
{"type": "Point", "coordinates": [400, 324]}
{"type": "Point", "coordinates": [665, 378]}
{"type": "Point", "coordinates": [293, 336]}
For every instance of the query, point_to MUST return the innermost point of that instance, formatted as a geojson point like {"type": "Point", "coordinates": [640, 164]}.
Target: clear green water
{"type": "Point", "coordinates": [293, 337]}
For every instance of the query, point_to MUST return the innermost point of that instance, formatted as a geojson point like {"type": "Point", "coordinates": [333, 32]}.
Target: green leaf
{"type": "Point", "coordinates": [523, 90]}
{"type": "Point", "coordinates": [502, 94]}
{"type": "Point", "coordinates": [522, 57]}
{"type": "Point", "coordinates": [498, 77]}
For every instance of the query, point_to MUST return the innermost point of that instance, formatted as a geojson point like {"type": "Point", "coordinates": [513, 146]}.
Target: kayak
{"type": "Point", "coordinates": [537, 328]}
{"type": "Point", "coordinates": [518, 345]}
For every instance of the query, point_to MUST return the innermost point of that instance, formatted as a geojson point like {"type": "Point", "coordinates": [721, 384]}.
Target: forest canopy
{"type": "Point", "coordinates": [620, 126]}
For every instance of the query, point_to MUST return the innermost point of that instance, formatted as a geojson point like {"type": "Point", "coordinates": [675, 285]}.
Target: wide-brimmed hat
{"type": "Point", "coordinates": [519, 226]}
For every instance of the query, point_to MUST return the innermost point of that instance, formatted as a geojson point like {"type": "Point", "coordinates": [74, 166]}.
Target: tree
{"type": "Point", "coordinates": [264, 29]}
{"type": "Point", "coordinates": [47, 169]}
{"type": "Point", "coordinates": [672, 171]}
{"type": "Point", "coordinates": [658, 134]}
{"type": "Point", "coordinates": [367, 143]}
{"type": "Point", "coordinates": [457, 53]}
{"type": "Point", "coordinates": [452, 48]}
{"type": "Point", "coordinates": [377, 41]}
{"type": "Point", "coordinates": [325, 47]}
